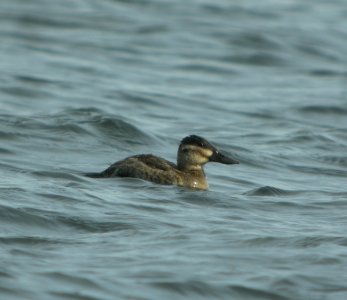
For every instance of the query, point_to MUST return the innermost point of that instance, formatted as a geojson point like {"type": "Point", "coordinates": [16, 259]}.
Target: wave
{"type": "Point", "coordinates": [213, 291]}
{"type": "Point", "coordinates": [295, 242]}
{"type": "Point", "coordinates": [324, 109]}
{"type": "Point", "coordinates": [72, 124]}
{"type": "Point", "coordinates": [269, 191]}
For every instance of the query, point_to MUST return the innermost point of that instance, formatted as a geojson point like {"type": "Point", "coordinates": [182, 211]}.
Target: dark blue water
{"type": "Point", "coordinates": [85, 83]}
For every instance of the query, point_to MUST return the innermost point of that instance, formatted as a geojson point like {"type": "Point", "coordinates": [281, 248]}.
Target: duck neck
{"type": "Point", "coordinates": [197, 169]}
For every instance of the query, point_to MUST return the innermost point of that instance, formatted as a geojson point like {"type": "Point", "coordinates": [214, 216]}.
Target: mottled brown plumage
{"type": "Point", "coordinates": [193, 153]}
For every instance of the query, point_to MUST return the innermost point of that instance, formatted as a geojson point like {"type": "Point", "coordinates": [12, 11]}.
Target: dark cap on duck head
{"type": "Point", "coordinates": [196, 141]}
{"type": "Point", "coordinates": [203, 143]}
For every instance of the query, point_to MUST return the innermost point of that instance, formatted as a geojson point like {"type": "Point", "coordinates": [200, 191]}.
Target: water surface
{"type": "Point", "coordinates": [86, 83]}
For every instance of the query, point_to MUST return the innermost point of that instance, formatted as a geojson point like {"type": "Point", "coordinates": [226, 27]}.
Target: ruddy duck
{"type": "Point", "coordinates": [193, 153]}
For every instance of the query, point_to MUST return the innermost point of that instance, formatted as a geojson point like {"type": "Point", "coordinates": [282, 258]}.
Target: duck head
{"type": "Point", "coordinates": [194, 152]}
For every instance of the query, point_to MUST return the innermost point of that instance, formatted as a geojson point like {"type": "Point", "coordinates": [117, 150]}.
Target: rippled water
{"type": "Point", "coordinates": [85, 83]}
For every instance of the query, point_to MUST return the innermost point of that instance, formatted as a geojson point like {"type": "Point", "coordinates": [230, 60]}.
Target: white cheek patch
{"type": "Point", "coordinates": [202, 151]}
{"type": "Point", "coordinates": [201, 160]}
{"type": "Point", "coordinates": [207, 152]}
{"type": "Point", "coordinates": [190, 147]}
{"type": "Point", "coordinates": [197, 154]}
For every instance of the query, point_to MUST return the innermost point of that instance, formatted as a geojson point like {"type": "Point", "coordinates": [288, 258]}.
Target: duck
{"type": "Point", "coordinates": [192, 155]}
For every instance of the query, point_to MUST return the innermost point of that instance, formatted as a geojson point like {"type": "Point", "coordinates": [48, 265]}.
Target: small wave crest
{"type": "Point", "coordinates": [208, 290]}
{"type": "Point", "coordinates": [268, 191]}
{"type": "Point", "coordinates": [324, 109]}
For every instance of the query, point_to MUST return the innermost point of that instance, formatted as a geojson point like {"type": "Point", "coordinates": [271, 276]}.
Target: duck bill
{"type": "Point", "coordinates": [223, 159]}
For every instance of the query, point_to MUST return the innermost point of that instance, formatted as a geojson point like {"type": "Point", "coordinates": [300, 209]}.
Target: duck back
{"type": "Point", "coordinates": [145, 166]}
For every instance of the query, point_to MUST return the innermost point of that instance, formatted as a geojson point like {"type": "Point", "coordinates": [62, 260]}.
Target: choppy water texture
{"type": "Point", "coordinates": [84, 83]}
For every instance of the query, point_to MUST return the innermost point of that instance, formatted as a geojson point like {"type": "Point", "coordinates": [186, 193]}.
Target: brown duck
{"type": "Point", "coordinates": [193, 153]}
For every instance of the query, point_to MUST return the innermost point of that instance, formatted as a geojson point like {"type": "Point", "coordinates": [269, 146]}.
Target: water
{"type": "Point", "coordinates": [85, 83]}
